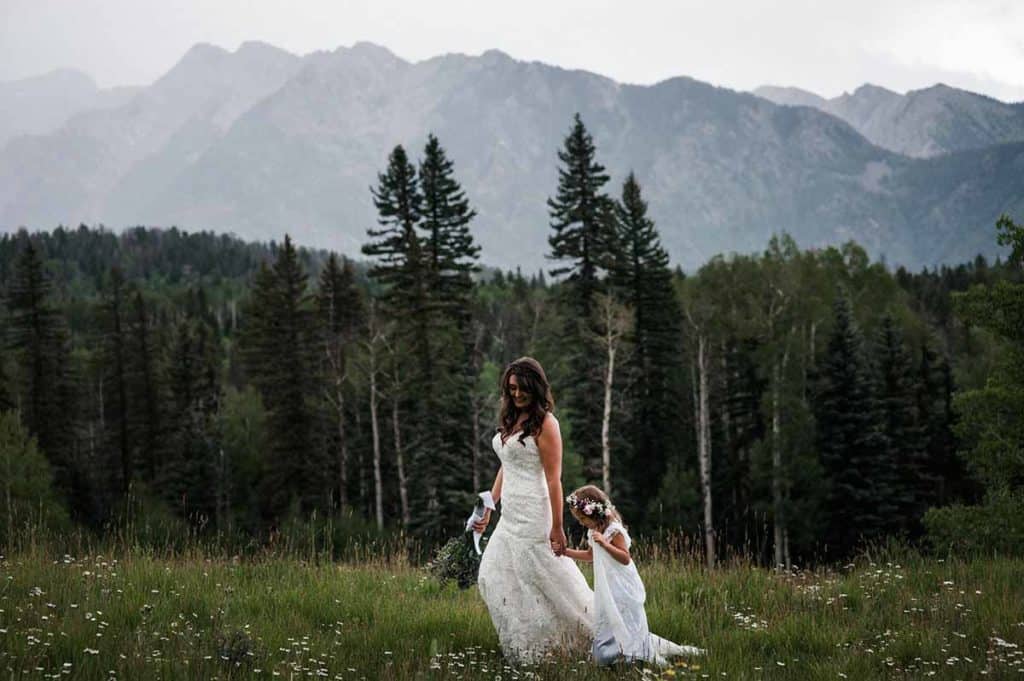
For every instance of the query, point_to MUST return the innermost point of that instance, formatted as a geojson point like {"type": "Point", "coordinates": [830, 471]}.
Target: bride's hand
{"type": "Point", "coordinates": [481, 525]}
{"type": "Point", "coordinates": [558, 541]}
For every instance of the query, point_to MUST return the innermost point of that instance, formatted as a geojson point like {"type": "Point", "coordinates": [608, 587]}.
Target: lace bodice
{"type": "Point", "coordinates": [525, 506]}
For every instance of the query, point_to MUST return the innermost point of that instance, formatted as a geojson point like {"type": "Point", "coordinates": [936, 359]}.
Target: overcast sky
{"type": "Point", "coordinates": [820, 45]}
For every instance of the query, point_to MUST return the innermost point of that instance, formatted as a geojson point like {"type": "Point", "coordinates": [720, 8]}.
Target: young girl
{"type": "Point", "coordinates": [620, 622]}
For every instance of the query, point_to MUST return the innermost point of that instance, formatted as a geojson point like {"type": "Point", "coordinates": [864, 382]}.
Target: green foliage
{"type": "Point", "coordinates": [995, 527]}
{"type": "Point", "coordinates": [456, 560]}
{"type": "Point", "coordinates": [27, 500]}
{"type": "Point", "coordinates": [39, 340]}
{"type": "Point", "coordinates": [654, 371]}
{"type": "Point", "coordinates": [991, 425]}
{"type": "Point", "coordinates": [855, 452]}
{"type": "Point", "coordinates": [889, 615]}
{"type": "Point", "coordinates": [583, 233]}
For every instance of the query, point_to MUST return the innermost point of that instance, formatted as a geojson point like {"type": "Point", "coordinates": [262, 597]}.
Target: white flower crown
{"type": "Point", "coordinates": [589, 507]}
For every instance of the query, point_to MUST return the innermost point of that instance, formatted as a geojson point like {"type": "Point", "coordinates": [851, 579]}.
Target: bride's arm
{"type": "Point", "coordinates": [496, 488]}
{"type": "Point", "coordinates": [549, 444]}
{"type": "Point", "coordinates": [481, 524]}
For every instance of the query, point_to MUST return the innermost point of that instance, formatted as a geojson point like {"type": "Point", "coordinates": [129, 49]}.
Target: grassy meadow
{"type": "Point", "coordinates": [136, 614]}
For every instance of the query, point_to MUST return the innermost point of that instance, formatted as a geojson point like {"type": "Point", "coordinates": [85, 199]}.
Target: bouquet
{"type": "Point", "coordinates": [459, 558]}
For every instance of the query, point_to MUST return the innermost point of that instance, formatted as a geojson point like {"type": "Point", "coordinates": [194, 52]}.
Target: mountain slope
{"type": "Point", "coordinates": [260, 142]}
{"type": "Point", "coordinates": [922, 123]}
{"type": "Point", "coordinates": [77, 172]}
{"type": "Point", "coordinates": [40, 105]}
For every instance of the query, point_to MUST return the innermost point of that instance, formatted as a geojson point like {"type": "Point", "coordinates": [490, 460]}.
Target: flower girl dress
{"type": "Point", "coordinates": [620, 621]}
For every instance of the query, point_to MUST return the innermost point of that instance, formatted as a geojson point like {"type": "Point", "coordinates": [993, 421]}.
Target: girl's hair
{"type": "Point", "coordinates": [593, 494]}
{"type": "Point", "coordinates": [529, 377]}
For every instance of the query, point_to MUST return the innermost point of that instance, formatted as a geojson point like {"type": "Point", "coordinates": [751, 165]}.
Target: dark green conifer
{"type": "Point", "coordinates": [115, 359]}
{"type": "Point", "coordinates": [39, 340]}
{"type": "Point", "coordinates": [582, 217]}
{"type": "Point", "coordinates": [915, 486]}
{"type": "Point", "coordinates": [855, 452]}
{"type": "Point", "coordinates": [448, 243]}
{"type": "Point", "coordinates": [656, 372]}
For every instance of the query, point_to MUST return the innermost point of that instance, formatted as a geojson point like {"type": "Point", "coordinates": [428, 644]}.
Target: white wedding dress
{"type": "Point", "coordinates": [538, 601]}
{"type": "Point", "coordinates": [620, 620]}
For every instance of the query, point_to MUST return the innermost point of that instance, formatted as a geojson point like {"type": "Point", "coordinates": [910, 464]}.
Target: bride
{"type": "Point", "coordinates": [537, 597]}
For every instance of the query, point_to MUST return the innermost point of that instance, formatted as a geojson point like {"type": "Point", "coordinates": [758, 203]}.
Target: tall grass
{"type": "Point", "coordinates": [135, 611]}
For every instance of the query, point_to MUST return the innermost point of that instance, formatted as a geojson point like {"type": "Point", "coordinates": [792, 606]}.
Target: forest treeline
{"type": "Point", "coordinates": [791, 405]}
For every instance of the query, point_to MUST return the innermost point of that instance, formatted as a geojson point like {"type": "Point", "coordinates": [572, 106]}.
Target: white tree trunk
{"type": "Point", "coordinates": [606, 447]}
{"type": "Point", "coordinates": [378, 486]}
{"type": "Point", "coordinates": [704, 428]}
{"type": "Point", "coordinates": [779, 518]}
{"type": "Point", "coordinates": [403, 492]}
{"type": "Point", "coordinates": [339, 408]}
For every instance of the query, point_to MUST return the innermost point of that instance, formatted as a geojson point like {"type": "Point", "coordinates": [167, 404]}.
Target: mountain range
{"type": "Point", "coordinates": [260, 142]}
{"type": "Point", "coordinates": [922, 123]}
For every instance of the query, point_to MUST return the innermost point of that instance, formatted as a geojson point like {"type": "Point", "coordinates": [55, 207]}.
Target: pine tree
{"type": "Point", "coordinates": [582, 218]}
{"type": "Point", "coordinates": [451, 256]}
{"type": "Point", "coordinates": [935, 413]}
{"type": "Point", "coordinates": [851, 440]}
{"type": "Point", "coordinates": [144, 390]}
{"type": "Point", "coordinates": [401, 267]}
{"type": "Point", "coordinates": [656, 369]}
{"type": "Point", "coordinates": [915, 486]}
{"type": "Point", "coordinates": [448, 243]}
{"type": "Point", "coordinates": [115, 359]}
{"type": "Point", "coordinates": [579, 217]}
{"type": "Point", "coordinates": [187, 476]}
{"type": "Point", "coordinates": [40, 342]}
{"type": "Point", "coordinates": [278, 354]}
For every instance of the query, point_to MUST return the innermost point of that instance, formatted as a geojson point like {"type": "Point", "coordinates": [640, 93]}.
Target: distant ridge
{"type": "Point", "coordinates": [922, 123]}
{"type": "Point", "coordinates": [260, 142]}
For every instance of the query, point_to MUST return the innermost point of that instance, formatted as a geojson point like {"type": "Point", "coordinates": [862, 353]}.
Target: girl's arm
{"type": "Point", "coordinates": [549, 444]}
{"type": "Point", "coordinates": [579, 554]}
{"type": "Point", "coordinates": [616, 546]}
{"type": "Point", "coordinates": [481, 524]}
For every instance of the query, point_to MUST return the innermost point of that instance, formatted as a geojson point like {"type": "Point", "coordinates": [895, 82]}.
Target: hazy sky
{"type": "Point", "coordinates": [820, 45]}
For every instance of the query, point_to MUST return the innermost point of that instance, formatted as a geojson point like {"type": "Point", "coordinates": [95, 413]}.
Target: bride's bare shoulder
{"type": "Point", "coordinates": [549, 427]}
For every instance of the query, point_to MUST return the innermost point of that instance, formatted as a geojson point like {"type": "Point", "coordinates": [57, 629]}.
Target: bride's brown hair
{"type": "Point", "coordinates": [531, 378]}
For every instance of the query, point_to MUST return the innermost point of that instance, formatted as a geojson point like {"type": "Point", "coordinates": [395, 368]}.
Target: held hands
{"type": "Point", "coordinates": [481, 525]}
{"type": "Point", "coordinates": [558, 541]}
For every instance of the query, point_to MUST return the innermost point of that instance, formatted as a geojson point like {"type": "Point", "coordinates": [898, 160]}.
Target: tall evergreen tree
{"type": "Point", "coordinates": [40, 342]}
{"type": "Point", "coordinates": [448, 244]}
{"type": "Point", "coordinates": [579, 217]}
{"type": "Point", "coordinates": [851, 440]}
{"type": "Point", "coordinates": [144, 389]}
{"type": "Point", "coordinates": [582, 219]}
{"type": "Point", "coordinates": [935, 391]}
{"type": "Point", "coordinates": [915, 486]}
{"type": "Point", "coordinates": [401, 265]}
{"type": "Point", "coordinates": [188, 474]}
{"type": "Point", "coordinates": [278, 357]}
{"type": "Point", "coordinates": [451, 255]}
{"type": "Point", "coordinates": [656, 369]}
{"type": "Point", "coordinates": [115, 360]}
